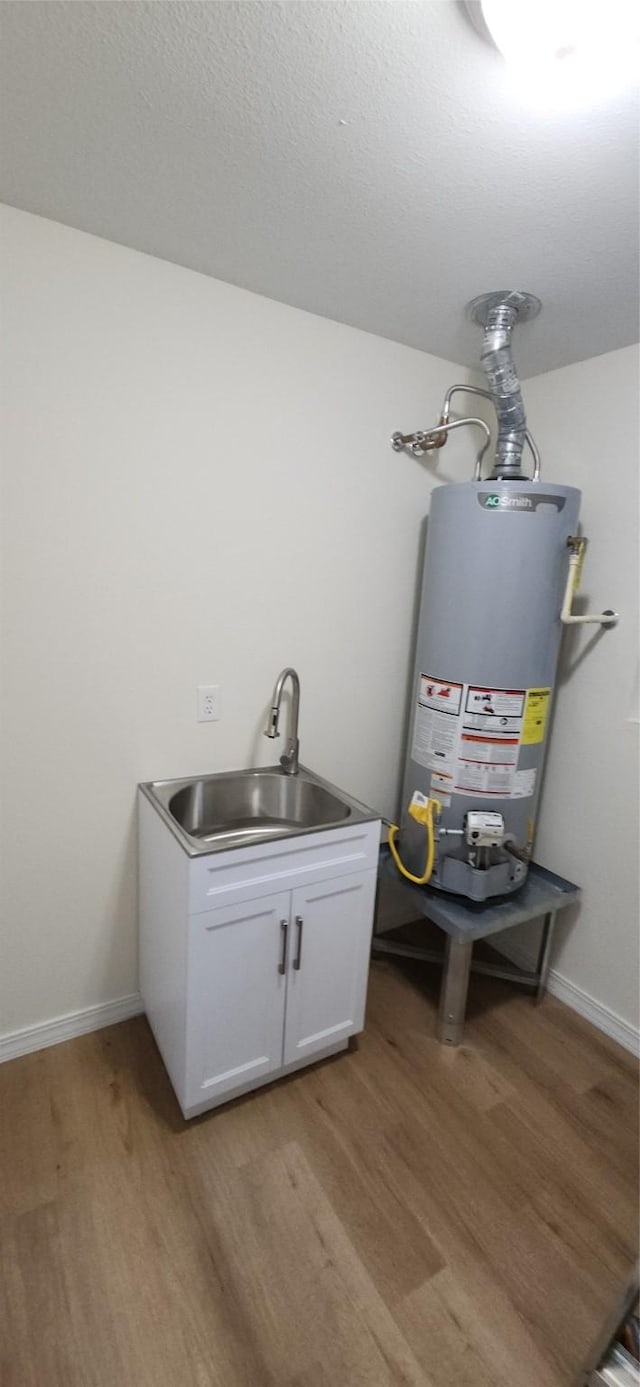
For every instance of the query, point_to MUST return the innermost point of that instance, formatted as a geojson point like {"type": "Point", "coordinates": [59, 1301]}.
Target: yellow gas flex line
{"type": "Point", "coordinates": [422, 810]}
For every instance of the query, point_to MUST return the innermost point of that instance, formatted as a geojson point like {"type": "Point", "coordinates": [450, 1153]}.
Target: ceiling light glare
{"type": "Point", "coordinates": [567, 52]}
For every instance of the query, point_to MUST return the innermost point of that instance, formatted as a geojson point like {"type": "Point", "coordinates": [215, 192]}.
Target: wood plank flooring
{"type": "Point", "coordinates": [402, 1214]}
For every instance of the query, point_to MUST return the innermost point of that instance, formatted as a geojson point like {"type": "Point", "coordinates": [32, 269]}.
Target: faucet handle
{"type": "Point", "coordinates": [271, 730]}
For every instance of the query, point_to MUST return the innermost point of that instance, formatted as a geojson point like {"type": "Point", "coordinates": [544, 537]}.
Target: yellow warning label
{"type": "Point", "coordinates": [534, 723]}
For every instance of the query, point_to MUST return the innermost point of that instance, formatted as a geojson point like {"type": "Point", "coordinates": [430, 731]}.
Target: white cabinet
{"type": "Point", "coordinates": [237, 985]}
{"type": "Point", "coordinates": [253, 961]}
{"type": "Point", "coordinates": [327, 980]}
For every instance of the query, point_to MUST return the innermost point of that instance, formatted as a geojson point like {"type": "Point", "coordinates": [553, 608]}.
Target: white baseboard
{"type": "Point", "coordinates": [597, 1013]}
{"type": "Point", "coordinates": [30, 1038]}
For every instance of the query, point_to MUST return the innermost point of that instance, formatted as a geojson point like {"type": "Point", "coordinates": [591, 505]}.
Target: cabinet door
{"type": "Point", "coordinates": [329, 952]}
{"type": "Point", "coordinates": [237, 986]}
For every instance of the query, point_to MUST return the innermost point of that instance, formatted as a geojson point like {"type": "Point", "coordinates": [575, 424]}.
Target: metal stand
{"type": "Point", "coordinates": [544, 953]}
{"type": "Point", "coordinates": [463, 922]}
{"type": "Point", "coordinates": [453, 990]}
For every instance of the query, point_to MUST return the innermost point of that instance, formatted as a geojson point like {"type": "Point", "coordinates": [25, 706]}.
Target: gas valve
{"type": "Point", "coordinates": [483, 828]}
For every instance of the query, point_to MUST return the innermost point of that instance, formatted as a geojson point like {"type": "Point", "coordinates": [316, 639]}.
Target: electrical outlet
{"type": "Point", "coordinates": [208, 702]}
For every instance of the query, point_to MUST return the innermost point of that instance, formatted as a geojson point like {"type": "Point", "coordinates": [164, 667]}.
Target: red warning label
{"type": "Point", "coordinates": [439, 694]}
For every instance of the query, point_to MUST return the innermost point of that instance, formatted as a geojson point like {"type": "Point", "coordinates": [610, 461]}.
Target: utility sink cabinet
{"type": "Point", "coordinates": [253, 960]}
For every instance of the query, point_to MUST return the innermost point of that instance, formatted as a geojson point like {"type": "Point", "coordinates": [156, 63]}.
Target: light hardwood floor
{"type": "Point", "coordinates": [402, 1214]}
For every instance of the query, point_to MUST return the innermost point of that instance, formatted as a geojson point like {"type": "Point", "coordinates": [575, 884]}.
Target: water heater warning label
{"type": "Point", "coordinates": [439, 695]}
{"type": "Point", "coordinates": [436, 727]}
{"type": "Point", "coordinates": [485, 777]}
{"type": "Point", "coordinates": [489, 741]}
{"type": "Point", "coordinates": [469, 736]}
{"type": "Point", "coordinates": [505, 705]}
{"type": "Point", "coordinates": [535, 716]}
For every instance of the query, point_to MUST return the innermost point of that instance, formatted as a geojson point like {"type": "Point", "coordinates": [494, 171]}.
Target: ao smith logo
{"type": "Point", "coordinates": [508, 503]}
{"type": "Point", "coordinates": [524, 501]}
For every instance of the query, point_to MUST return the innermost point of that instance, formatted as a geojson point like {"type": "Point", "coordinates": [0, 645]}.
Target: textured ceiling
{"type": "Point", "coordinates": [370, 162]}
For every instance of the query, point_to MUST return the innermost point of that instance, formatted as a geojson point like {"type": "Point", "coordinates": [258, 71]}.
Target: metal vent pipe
{"type": "Point", "coordinates": [497, 313]}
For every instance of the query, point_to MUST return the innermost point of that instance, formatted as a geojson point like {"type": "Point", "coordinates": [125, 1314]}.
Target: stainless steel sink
{"type": "Point", "coordinates": [214, 812]}
{"type": "Point", "coordinates": [252, 804]}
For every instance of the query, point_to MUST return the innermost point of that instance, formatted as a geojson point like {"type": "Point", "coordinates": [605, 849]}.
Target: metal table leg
{"type": "Point", "coordinates": [544, 955]}
{"type": "Point", "coordinates": [453, 990]}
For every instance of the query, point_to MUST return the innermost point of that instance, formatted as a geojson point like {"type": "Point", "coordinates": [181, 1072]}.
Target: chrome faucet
{"type": "Point", "coordinates": [289, 758]}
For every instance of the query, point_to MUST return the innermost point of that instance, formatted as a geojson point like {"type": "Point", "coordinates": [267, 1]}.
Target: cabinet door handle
{"type": "Point", "coordinates": [284, 930]}
{"type": "Point", "coordinates": [298, 958]}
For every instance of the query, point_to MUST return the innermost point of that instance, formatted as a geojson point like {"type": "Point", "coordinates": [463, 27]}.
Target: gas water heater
{"type": "Point", "coordinates": [502, 564]}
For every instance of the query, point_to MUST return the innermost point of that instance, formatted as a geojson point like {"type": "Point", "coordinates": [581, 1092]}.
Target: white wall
{"type": "Point", "coordinates": [198, 488]}
{"type": "Point", "coordinates": [585, 420]}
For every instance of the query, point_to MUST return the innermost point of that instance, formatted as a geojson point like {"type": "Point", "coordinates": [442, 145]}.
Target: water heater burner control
{"type": "Point", "coordinates": [483, 829]}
